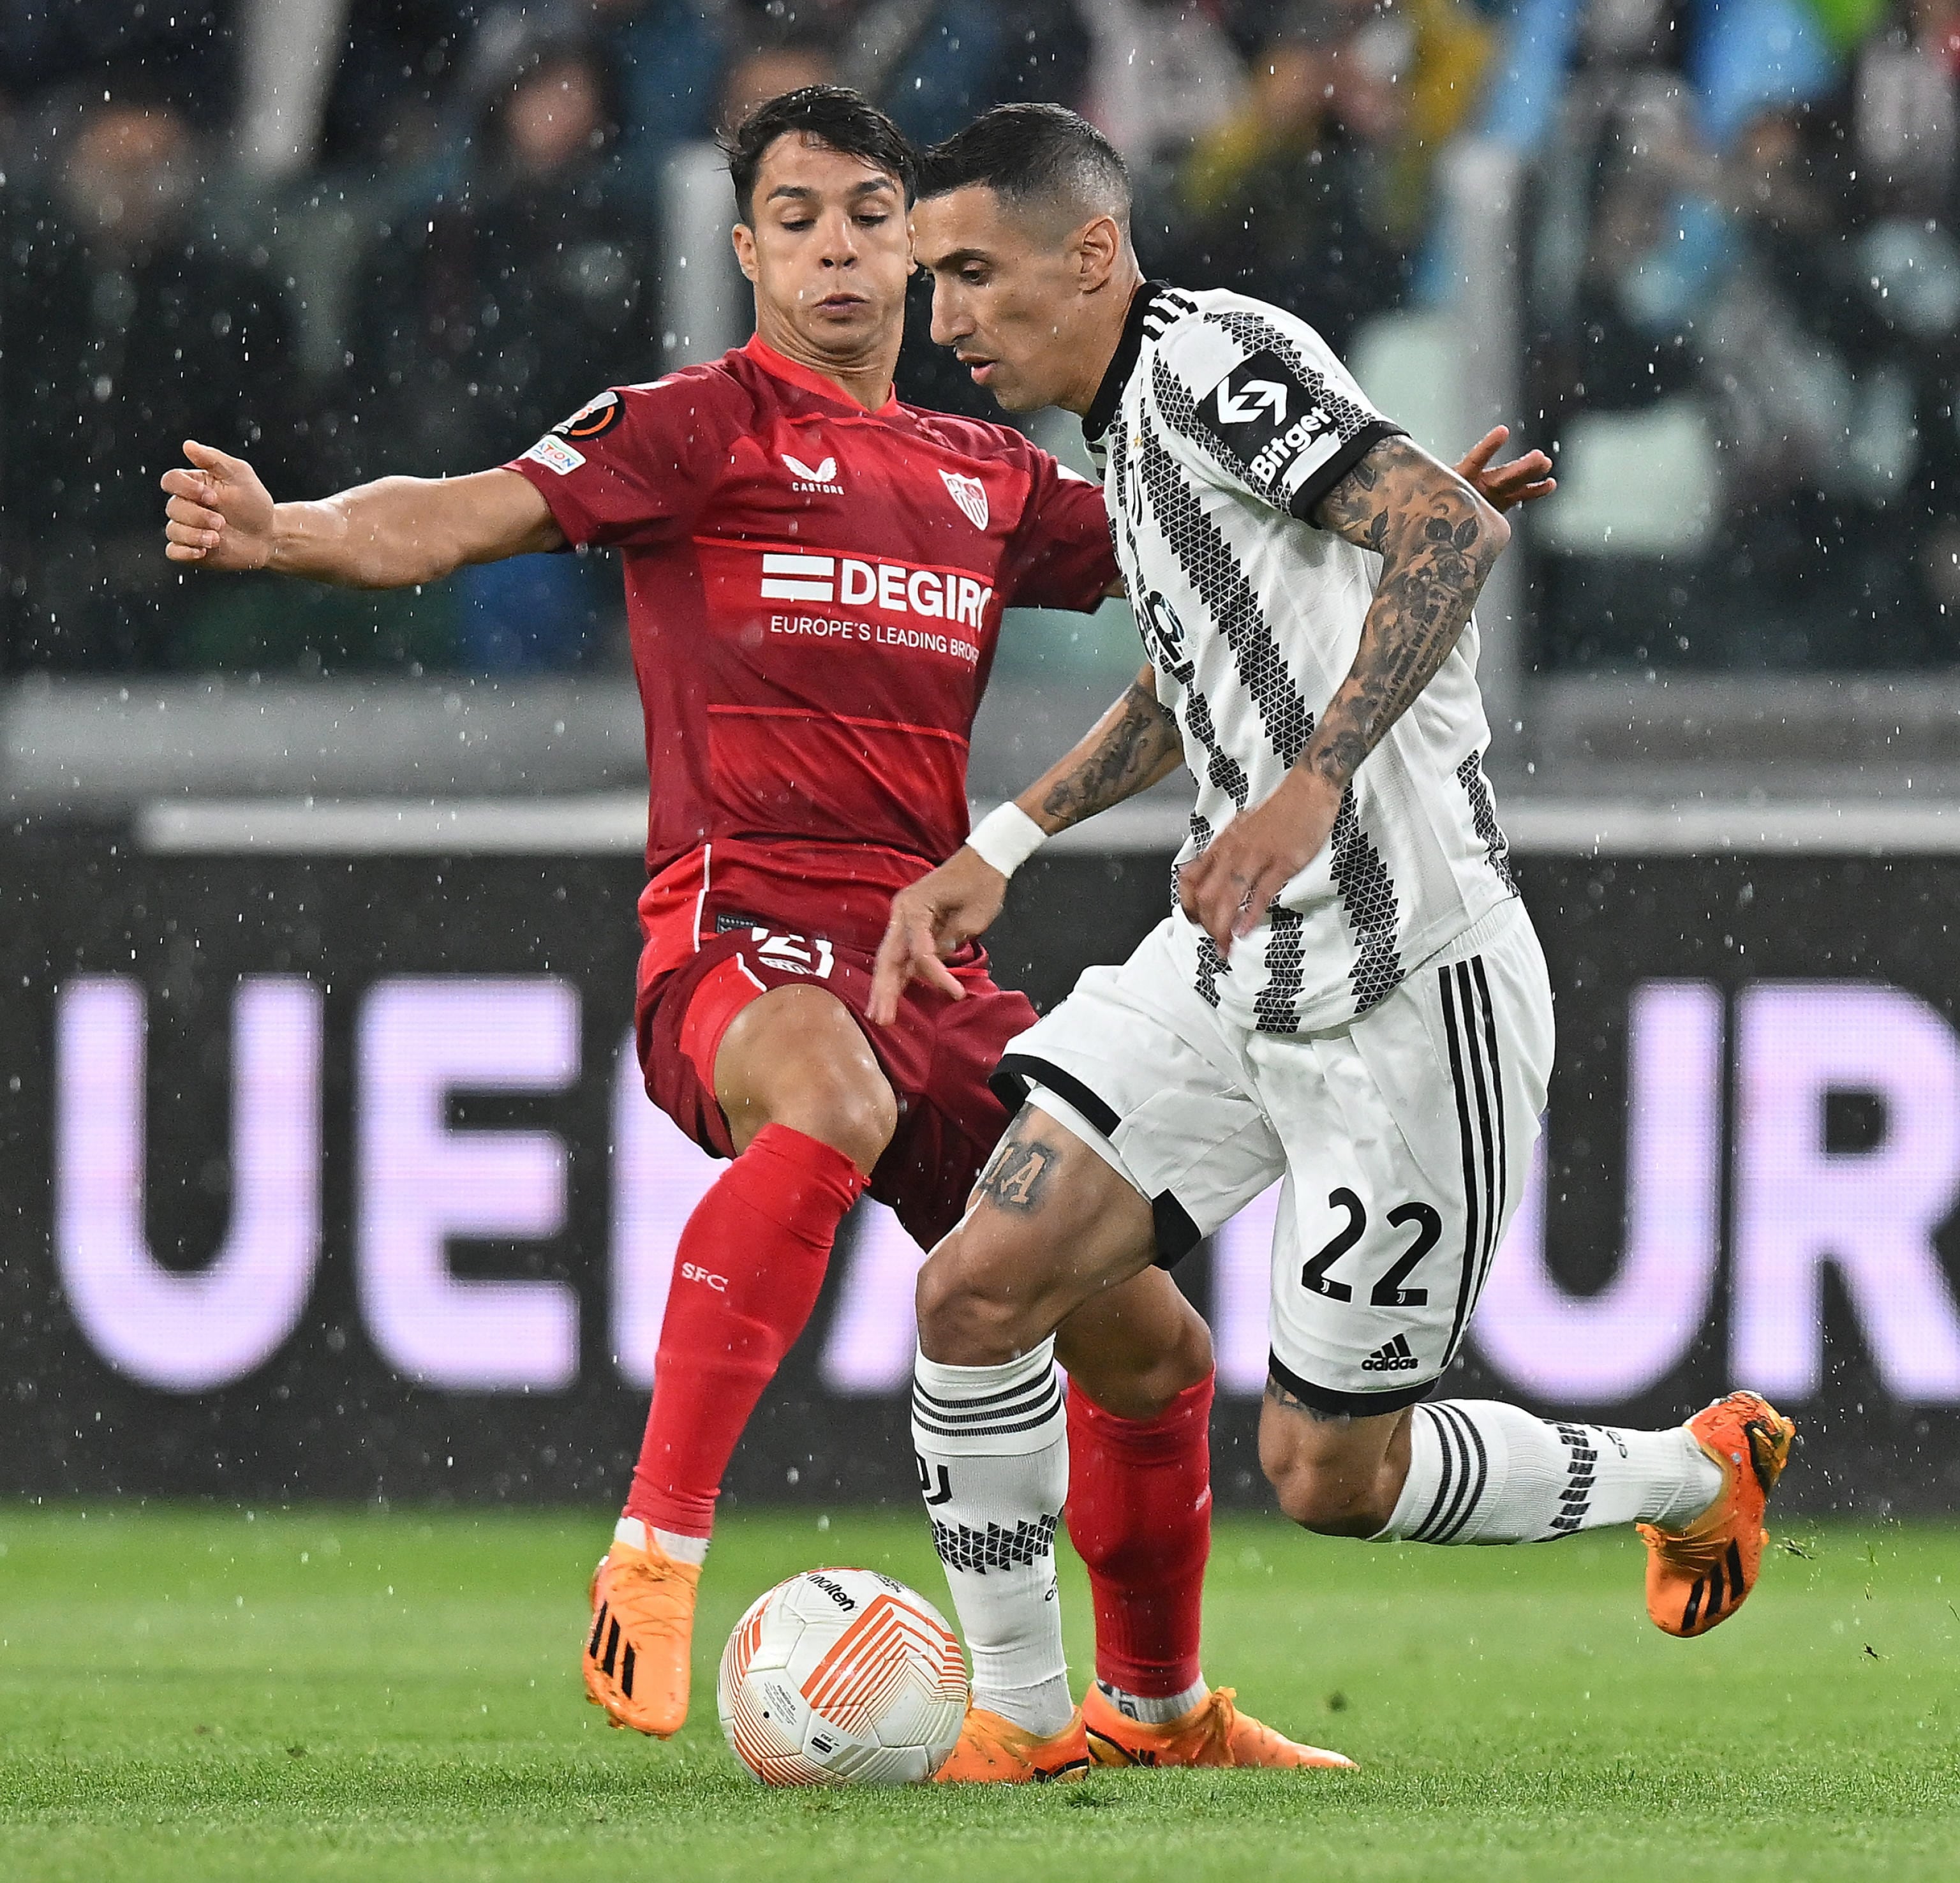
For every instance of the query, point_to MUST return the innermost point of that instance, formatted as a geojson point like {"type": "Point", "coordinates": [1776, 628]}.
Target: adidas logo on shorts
{"type": "Point", "coordinates": [1395, 1357]}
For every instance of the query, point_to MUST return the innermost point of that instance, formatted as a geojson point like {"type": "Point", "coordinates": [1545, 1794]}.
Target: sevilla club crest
{"type": "Point", "coordinates": [969, 494]}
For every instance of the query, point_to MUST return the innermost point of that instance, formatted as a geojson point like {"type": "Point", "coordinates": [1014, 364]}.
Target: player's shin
{"type": "Point", "coordinates": [1481, 1471]}
{"type": "Point", "coordinates": [992, 1444]}
{"type": "Point", "coordinates": [1139, 1517]}
{"type": "Point", "coordinates": [746, 1273]}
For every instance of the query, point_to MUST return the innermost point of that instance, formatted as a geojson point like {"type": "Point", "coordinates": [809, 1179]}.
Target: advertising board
{"type": "Point", "coordinates": [332, 1175]}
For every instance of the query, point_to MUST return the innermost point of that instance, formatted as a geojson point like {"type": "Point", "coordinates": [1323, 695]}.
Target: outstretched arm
{"type": "Point", "coordinates": [391, 534]}
{"type": "Point", "coordinates": [1135, 743]}
{"type": "Point", "coordinates": [1438, 539]}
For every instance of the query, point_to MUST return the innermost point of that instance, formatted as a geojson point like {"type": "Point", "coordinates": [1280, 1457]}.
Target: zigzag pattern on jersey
{"type": "Point", "coordinates": [1483, 816]}
{"type": "Point", "coordinates": [1167, 304]}
{"type": "Point", "coordinates": [1209, 566]}
{"type": "Point", "coordinates": [1255, 656]}
{"type": "Point", "coordinates": [1254, 332]}
{"type": "Point", "coordinates": [1224, 771]}
{"type": "Point", "coordinates": [994, 1547]}
{"type": "Point", "coordinates": [1368, 895]}
{"type": "Point", "coordinates": [1210, 963]}
{"type": "Point", "coordinates": [1272, 1010]}
{"type": "Point", "coordinates": [1367, 891]}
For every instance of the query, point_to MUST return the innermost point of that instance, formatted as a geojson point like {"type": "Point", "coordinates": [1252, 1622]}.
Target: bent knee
{"type": "Point", "coordinates": [795, 1057]}
{"type": "Point", "coordinates": [856, 1116]}
{"type": "Point", "coordinates": [1333, 1494]}
{"type": "Point", "coordinates": [1192, 1359]}
{"type": "Point", "coordinates": [964, 1320]}
{"type": "Point", "coordinates": [852, 1111]}
{"type": "Point", "coordinates": [1326, 1504]}
{"type": "Point", "coordinates": [1184, 1361]}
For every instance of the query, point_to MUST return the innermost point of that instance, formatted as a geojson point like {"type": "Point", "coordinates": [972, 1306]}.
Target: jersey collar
{"type": "Point", "coordinates": [770, 361]}
{"type": "Point", "coordinates": [1096, 420]}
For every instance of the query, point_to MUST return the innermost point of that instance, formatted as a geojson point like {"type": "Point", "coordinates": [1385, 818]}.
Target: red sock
{"type": "Point", "coordinates": [1139, 1517]}
{"type": "Point", "coordinates": [746, 1274]}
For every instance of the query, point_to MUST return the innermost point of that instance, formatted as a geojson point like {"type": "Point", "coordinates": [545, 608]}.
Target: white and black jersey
{"type": "Point", "coordinates": [1221, 424]}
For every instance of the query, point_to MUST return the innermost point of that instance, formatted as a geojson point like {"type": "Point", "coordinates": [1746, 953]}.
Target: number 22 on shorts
{"type": "Point", "coordinates": [1388, 1291]}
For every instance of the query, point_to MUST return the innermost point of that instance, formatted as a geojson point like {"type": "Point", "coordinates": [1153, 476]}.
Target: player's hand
{"type": "Point", "coordinates": [1522, 480]}
{"type": "Point", "coordinates": [220, 515]}
{"type": "Point", "coordinates": [1227, 891]}
{"type": "Point", "coordinates": [936, 916]}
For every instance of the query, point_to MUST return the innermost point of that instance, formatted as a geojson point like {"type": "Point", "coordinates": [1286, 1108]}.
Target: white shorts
{"type": "Point", "coordinates": [1402, 1140]}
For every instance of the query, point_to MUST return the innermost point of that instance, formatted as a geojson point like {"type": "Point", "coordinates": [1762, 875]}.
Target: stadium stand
{"type": "Point", "coordinates": [1705, 253]}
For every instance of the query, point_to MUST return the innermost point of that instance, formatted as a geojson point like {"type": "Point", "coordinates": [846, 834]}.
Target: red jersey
{"type": "Point", "coordinates": [813, 592]}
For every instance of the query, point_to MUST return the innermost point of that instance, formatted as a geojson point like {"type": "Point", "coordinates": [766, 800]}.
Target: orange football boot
{"type": "Point", "coordinates": [991, 1750]}
{"type": "Point", "coordinates": [1700, 1576]}
{"type": "Point", "coordinates": [636, 1657]}
{"type": "Point", "coordinates": [1214, 1732]}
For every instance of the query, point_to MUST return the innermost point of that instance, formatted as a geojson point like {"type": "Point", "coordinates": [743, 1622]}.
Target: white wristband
{"type": "Point", "coordinates": [1007, 837]}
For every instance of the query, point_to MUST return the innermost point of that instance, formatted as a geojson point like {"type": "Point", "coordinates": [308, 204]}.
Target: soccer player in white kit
{"type": "Point", "coordinates": [1347, 995]}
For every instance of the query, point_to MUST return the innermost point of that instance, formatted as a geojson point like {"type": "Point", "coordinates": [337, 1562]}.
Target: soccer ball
{"type": "Point", "coordinates": [842, 1676]}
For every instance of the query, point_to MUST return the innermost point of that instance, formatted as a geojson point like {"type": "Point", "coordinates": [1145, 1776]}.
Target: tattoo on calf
{"type": "Point", "coordinates": [1016, 1175]}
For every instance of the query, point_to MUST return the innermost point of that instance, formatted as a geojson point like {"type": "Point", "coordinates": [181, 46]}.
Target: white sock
{"type": "Point", "coordinates": [993, 1465]}
{"type": "Point", "coordinates": [679, 1549]}
{"type": "Point", "coordinates": [1481, 1471]}
{"type": "Point", "coordinates": [1154, 1711]}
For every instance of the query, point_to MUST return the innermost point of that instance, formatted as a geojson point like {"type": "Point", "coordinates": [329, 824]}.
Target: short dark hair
{"type": "Point", "coordinates": [835, 116]}
{"type": "Point", "coordinates": [1029, 153]}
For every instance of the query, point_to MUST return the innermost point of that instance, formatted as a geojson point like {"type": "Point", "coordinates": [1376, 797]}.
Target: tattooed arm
{"type": "Point", "coordinates": [1135, 743]}
{"type": "Point", "coordinates": [1131, 748]}
{"type": "Point", "coordinates": [1438, 539]}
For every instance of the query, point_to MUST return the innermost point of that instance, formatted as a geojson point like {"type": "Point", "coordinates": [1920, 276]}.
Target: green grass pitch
{"type": "Point", "coordinates": [202, 1695]}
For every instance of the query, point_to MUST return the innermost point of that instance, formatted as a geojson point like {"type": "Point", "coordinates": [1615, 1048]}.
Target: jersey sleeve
{"type": "Point", "coordinates": [635, 464]}
{"type": "Point", "coordinates": [1257, 401]}
{"type": "Point", "coordinates": [1060, 556]}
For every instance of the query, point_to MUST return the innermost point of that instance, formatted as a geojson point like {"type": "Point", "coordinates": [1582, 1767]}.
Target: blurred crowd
{"type": "Point", "coordinates": [1742, 279]}
{"type": "Point", "coordinates": [346, 237]}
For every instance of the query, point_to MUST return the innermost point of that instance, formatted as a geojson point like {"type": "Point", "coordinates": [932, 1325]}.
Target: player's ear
{"type": "Point", "coordinates": [1097, 246]}
{"type": "Point", "coordinates": [744, 239]}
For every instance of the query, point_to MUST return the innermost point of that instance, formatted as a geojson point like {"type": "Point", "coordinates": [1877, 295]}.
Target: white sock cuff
{"type": "Point", "coordinates": [1419, 1487]}
{"type": "Point", "coordinates": [1460, 1467]}
{"type": "Point", "coordinates": [639, 1535]}
{"type": "Point", "coordinates": [1155, 1712]}
{"type": "Point", "coordinates": [946, 1381]}
{"type": "Point", "coordinates": [1009, 1411]}
{"type": "Point", "coordinates": [1674, 1497]}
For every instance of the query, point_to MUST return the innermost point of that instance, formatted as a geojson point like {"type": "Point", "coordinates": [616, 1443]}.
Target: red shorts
{"type": "Point", "coordinates": [938, 1055]}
